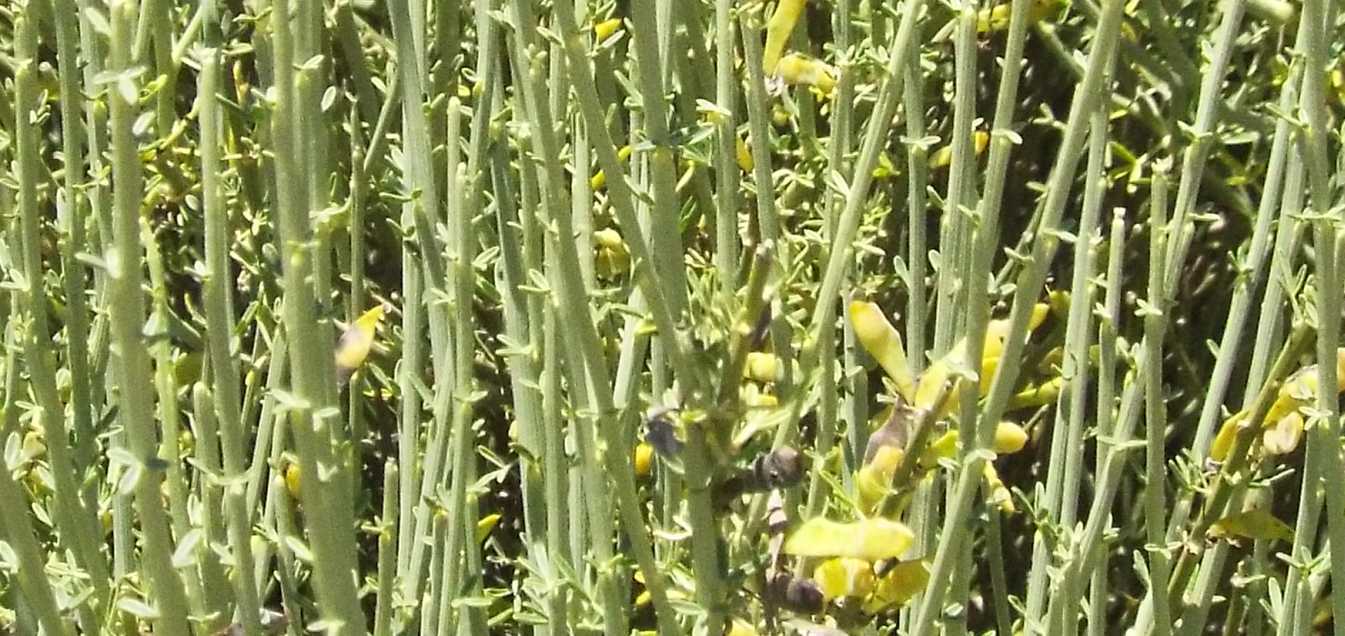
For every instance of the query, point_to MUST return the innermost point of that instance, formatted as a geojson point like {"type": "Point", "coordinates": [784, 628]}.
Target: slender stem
{"type": "Point", "coordinates": [74, 515]}
{"type": "Point", "coordinates": [1108, 326]}
{"type": "Point", "coordinates": [726, 169]}
{"type": "Point", "coordinates": [219, 322]}
{"type": "Point", "coordinates": [955, 280]}
{"type": "Point", "coordinates": [387, 551]}
{"type": "Point", "coordinates": [126, 315]}
{"type": "Point", "coordinates": [311, 418]}
{"type": "Point", "coordinates": [1324, 436]}
{"type": "Point", "coordinates": [1155, 424]}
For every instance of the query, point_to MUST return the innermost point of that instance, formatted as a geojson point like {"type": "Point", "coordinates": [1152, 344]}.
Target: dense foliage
{"type": "Point", "coordinates": [678, 316]}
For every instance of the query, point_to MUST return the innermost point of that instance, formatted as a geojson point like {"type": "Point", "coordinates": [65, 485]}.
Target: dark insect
{"type": "Point", "coordinates": [757, 337]}
{"type": "Point", "coordinates": [797, 595]}
{"type": "Point", "coordinates": [780, 468]}
{"type": "Point", "coordinates": [661, 432]}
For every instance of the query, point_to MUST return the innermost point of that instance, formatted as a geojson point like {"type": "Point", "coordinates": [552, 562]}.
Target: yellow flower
{"type": "Point", "coordinates": [881, 340]}
{"type": "Point", "coordinates": [779, 28]}
{"type": "Point", "coordinates": [292, 480]}
{"type": "Point", "coordinates": [356, 342]}
{"type": "Point", "coordinates": [844, 577]}
{"type": "Point", "coordinates": [1255, 524]}
{"type": "Point", "coordinates": [611, 257]}
{"type": "Point", "coordinates": [1283, 426]}
{"type": "Point", "coordinates": [1009, 438]}
{"type": "Point", "coordinates": [644, 459]}
{"type": "Point", "coordinates": [762, 367]}
{"type": "Point", "coordinates": [744, 156]}
{"type": "Point", "coordinates": [485, 525]}
{"type": "Point", "coordinates": [870, 539]}
{"type": "Point", "coordinates": [605, 29]}
{"type": "Point", "coordinates": [944, 155]}
{"type": "Point", "coordinates": [997, 18]}
{"type": "Point", "coordinates": [897, 586]}
{"type": "Point", "coordinates": [938, 373]}
{"type": "Point", "coordinates": [1037, 395]}
{"type": "Point", "coordinates": [599, 179]}
{"type": "Point", "coordinates": [798, 69]}
{"type": "Point", "coordinates": [874, 479]}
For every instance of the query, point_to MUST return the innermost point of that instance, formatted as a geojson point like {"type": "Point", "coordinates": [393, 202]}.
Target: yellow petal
{"type": "Point", "coordinates": [997, 330]}
{"type": "Point", "coordinates": [1009, 438]}
{"type": "Point", "coordinates": [898, 586]}
{"type": "Point", "coordinates": [292, 480]}
{"type": "Point", "coordinates": [945, 447]}
{"type": "Point", "coordinates": [605, 29]}
{"type": "Point", "coordinates": [357, 341]}
{"type": "Point", "coordinates": [995, 18]}
{"type": "Point", "coordinates": [944, 155]}
{"type": "Point", "coordinates": [1282, 438]}
{"type": "Point", "coordinates": [842, 577]}
{"type": "Point", "coordinates": [1252, 524]}
{"type": "Point", "coordinates": [1223, 441]}
{"type": "Point", "coordinates": [744, 156]}
{"type": "Point", "coordinates": [800, 70]}
{"type": "Point", "coordinates": [599, 179]}
{"type": "Point", "coordinates": [485, 525]}
{"type": "Point", "coordinates": [881, 340]}
{"type": "Point", "coordinates": [940, 372]}
{"type": "Point", "coordinates": [779, 28]}
{"type": "Point", "coordinates": [1041, 394]}
{"type": "Point", "coordinates": [870, 539]}
{"type": "Point", "coordinates": [999, 495]}
{"type": "Point", "coordinates": [941, 158]}
{"type": "Point", "coordinates": [987, 374]}
{"type": "Point", "coordinates": [874, 479]}
{"type": "Point", "coordinates": [609, 238]}
{"type": "Point", "coordinates": [979, 140]}
{"type": "Point", "coordinates": [762, 367]}
{"type": "Point", "coordinates": [644, 459]}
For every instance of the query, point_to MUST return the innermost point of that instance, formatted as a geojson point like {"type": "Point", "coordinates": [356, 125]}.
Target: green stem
{"type": "Point", "coordinates": [74, 516]}
{"type": "Point", "coordinates": [1155, 425]}
{"type": "Point", "coordinates": [219, 327]}
{"type": "Point", "coordinates": [126, 315]}
{"type": "Point", "coordinates": [311, 415]}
